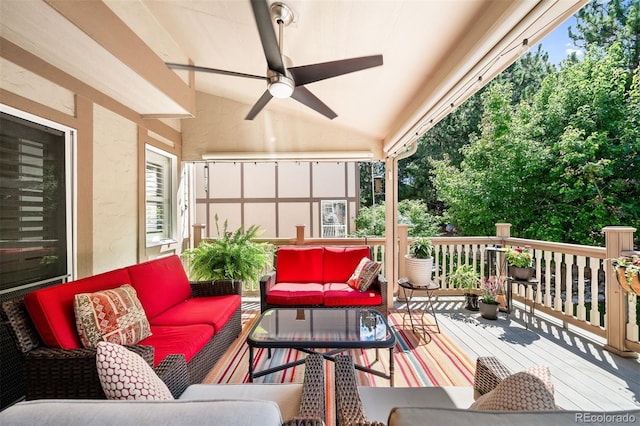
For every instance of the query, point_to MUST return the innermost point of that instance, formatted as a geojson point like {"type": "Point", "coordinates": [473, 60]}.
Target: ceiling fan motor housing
{"type": "Point", "coordinates": [280, 86]}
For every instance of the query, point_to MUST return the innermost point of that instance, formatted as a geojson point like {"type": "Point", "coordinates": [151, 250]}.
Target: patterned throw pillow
{"type": "Point", "coordinates": [528, 390]}
{"type": "Point", "coordinates": [365, 273]}
{"type": "Point", "coordinates": [125, 375]}
{"type": "Point", "coordinates": [111, 315]}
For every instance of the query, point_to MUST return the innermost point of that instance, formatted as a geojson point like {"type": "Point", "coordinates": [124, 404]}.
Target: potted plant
{"type": "Point", "coordinates": [628, 273]}
{"type": "Point", "coordinates": [419, 262]}
{"type": "Point", "coordinates": [466, 277]}
{"type": "Point", "coordinates": [232, 256]}
{"type": "Point", "coordinates": [520, 260]}
{"type": "Point", "coordinates": [488, 299]}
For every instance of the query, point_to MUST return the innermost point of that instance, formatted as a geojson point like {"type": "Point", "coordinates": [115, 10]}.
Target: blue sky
{"type": "Point", "coordinates": [558, 44]}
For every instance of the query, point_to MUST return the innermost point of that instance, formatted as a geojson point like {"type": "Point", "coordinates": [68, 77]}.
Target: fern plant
{"type": "Point", "coordinates": [231, 256]}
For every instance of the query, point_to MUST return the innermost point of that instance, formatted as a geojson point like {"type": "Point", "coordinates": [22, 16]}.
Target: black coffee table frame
{"type": "Point", "coordinates": [306, 330]}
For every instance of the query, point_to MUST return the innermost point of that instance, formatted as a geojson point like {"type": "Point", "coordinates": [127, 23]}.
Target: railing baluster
{"type": "Point", "coordinates": [594, 313]}
{"type": "Point", "coordinates": [581, 311]}
{"type": "Point", "coordinates": [548, 256]}
{"type": "Point", "coordinates": [557, 303]}
{"type": "Point", "coordinates": [568, 302]}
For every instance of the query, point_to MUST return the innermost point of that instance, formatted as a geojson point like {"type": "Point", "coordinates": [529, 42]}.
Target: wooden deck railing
{"type": "Point", "coordinates": [577, 283]}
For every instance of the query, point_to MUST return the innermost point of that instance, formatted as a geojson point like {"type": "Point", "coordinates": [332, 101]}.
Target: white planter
{"type": "Point", "coordinates": [419, 270]}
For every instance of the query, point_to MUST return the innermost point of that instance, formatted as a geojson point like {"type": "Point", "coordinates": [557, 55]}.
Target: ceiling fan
{"type": "Point", "coordinates": [283, 81]}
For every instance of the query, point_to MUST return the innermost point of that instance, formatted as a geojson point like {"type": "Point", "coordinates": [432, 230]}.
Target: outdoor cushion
{"type": "Point", "coordinates": [160, 283]}
{"type": "Point", "coordinates": [286, 395]}
{"type": "Point", "coordinates": [51, 308]}
{"type": "Point", "coordinates": [340, 262]}
{"type": "Point", "coordinates": [184, 339]}
{"type": "Point", "coordinates": [114, 316]}
{"type": "Point", "coordinates": [215, 311]}
{"type": "Point", "coordinates": [126, 375]}
{"type": "Point", "coordinates": [299, 265]}
{"type": "Point", "coordinates": [341, 294]}
{"type": "Point", "coordinates": [285, 293]}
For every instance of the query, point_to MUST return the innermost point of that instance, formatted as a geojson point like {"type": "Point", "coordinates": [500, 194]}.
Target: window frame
{"type": "Point", "coordinates": [168, 235]}
{"type": "Point", "coordinates": [328, 208]}
{"type": "Point", "coordinates": [70, 182]}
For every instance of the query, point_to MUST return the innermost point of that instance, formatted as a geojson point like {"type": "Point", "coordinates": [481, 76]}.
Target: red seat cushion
{"type": "Point", "coordinates": [295, 294]}
{"type": "Point", "coordinates": [51, 308]}
{"type": "Point", "coordinates": [160, 284]}
{"type": "Point", "coordinates": [185, 339]}
{"type": "Point", "coordinates": [340, 262]}
{"type": "Point", "coordinates": [340, 294]}
{"type": "Point", "coordinates": [299, 265]}
{"type": "Point", "coordinates": [214, 310]}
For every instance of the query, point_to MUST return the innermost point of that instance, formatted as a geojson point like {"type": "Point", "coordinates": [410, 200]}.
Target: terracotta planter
{"type": "Point", "coordinates": [488, 310]}
{"type": "Point", "coordinates": [523, 274]}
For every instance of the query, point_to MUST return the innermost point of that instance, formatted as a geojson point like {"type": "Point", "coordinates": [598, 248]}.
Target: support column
{"type": "Point", "coordinates": [617, 240]}
{"type": "Point", "coordinates": [391, 226]}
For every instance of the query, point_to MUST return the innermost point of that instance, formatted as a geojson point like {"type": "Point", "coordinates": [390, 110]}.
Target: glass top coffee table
{"type": "Point", "coordinates": [321, 328]}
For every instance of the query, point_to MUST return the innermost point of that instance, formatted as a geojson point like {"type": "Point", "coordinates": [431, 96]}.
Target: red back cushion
{"type": "Point", "coordinates": [340, 262]}
{"type": "Point", "coordinates": [51, 308]}
{"type": "Point", "coordinates": [299, 265]}
{"type": "Point", "coordinates": [160, 284]}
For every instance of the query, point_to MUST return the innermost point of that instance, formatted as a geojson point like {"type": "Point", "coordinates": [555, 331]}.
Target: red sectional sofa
{"type": "Point", "coordinates": [196, 321]}
{"type": "Point", "coordinates": [317, 277]}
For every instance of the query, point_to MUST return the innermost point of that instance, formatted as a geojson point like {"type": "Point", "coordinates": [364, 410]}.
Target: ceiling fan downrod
{"type": "Point", "coordinates": [281, 86]}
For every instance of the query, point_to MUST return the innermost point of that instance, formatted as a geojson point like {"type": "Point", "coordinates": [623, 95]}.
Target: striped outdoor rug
{"type": "Point", "coordinates": [436, 363]}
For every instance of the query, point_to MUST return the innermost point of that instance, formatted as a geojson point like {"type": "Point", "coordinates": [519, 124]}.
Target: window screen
{"type": "Point", "coordinates": [33, 210]}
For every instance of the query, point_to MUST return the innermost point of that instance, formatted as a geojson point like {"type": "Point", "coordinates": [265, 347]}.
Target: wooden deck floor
{"type": "Point", "coordinates": [585, 376]}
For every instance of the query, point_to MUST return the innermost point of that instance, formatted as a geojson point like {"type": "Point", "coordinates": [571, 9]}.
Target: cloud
{"type": "Point", "coordinates": [571, 49]}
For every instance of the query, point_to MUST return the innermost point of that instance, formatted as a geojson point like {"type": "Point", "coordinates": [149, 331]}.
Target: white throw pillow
{"type": "Point", "coordinates": [126, 375]}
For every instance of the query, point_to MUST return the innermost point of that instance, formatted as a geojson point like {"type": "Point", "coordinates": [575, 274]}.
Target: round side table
{"type": "Point", "coordinates": [419, 312]}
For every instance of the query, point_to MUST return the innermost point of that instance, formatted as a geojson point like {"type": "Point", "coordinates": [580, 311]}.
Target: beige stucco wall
{"type": "Point", "coordinates": [115, 169]}
{"type": "Point", "coordinates": [20, 81]}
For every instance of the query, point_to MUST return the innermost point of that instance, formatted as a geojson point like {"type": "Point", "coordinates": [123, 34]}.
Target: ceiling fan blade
{"type": "Point", "coordinates": [267, 35]}
{"type": "Point", "coordinates": [264, 99]}
{"type": "Point", "coordinates": [304, 96]}
{"type": "Point", "coordinates": [213, 71]}
{"type": "Point", "coordinates": [309, 73]}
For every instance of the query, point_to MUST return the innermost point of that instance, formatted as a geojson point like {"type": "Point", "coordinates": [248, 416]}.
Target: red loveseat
{"type": "Point", "coordinates": [196, 321]}
{"type": "Point", "coordinates": [317, 277]}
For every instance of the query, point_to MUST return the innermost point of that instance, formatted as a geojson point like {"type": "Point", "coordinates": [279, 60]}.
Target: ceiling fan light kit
{"type": "Point", "coordinates": [284, 81]}
{"type": "Point", "coordinates": [280, 86]}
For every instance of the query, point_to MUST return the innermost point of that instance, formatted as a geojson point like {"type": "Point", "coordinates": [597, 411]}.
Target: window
{"type": "Point", "coordinates": [159, 202]}
{"type": "Point", "coordinates": [35, 189]}
{"type": "Point", "coordinates": [334, 218]}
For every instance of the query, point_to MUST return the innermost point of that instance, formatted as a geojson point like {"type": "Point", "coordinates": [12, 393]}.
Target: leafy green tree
{"type": "Point", "coordinates": [559, 168]}
{"type": "Point", "coordinates": [600, 24]}
{"type": "Point", "coordinates": [449, 136]}
{"type": "Point", "coordinates": [371, 220]}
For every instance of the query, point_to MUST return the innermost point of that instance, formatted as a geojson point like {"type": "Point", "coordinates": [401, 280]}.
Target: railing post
{"type": "Point", "coordinates": [617, 240]}
{"type": "Point", "coordinates": [403, 241]}
{"type": "Point", "coordinates": [197, 235]}
{"type": "Point", "coordinates": [503, 230]}
{"type": "Point", "coordinates": [300, 234]}
{"type": "Point", "coordinates": [403, 248]}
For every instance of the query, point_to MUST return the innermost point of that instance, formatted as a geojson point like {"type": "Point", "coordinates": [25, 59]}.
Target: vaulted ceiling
{"type": "Point", "coordinates": [436, 53]}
